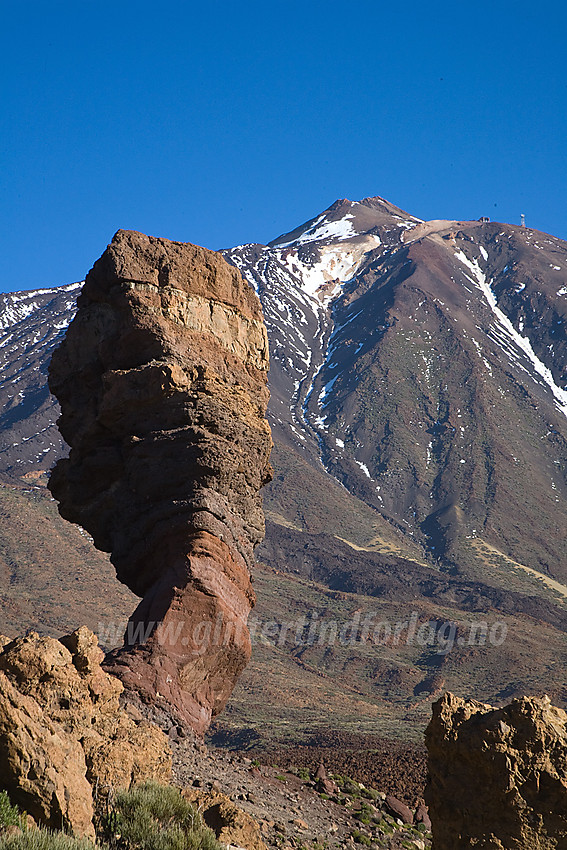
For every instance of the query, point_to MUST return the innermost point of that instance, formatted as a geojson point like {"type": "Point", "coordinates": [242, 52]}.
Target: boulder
{"type": "Point", "coordinates": [326, 786]}
{"type": "Point", "coordinates": [498, 776]}
{"type": "Point", "coordinates": [422, 816]}
{"type": "Point", "coordinates": [231, 825]}
{"type": "Point", "coordinates": [41, 767]}
{"type": "Point", "coordinates": [63, 730]}
{"type": "Point", "coordinates": [323, 784]}
{"type": "Point", "coordinates": [398, 809]}
{"type": "Point", "coordinates": [162, 381]}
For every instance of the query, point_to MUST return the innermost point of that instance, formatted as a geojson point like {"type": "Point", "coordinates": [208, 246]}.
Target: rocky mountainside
{"type": "Point", "coordinates": [423, 366]}
{"type": "Point", "coordinates": [31, 325]}
{"type": "Point", "coordinates": [418, 374]}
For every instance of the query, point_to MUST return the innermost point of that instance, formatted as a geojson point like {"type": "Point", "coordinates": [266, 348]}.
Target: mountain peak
{"type": "Point", "coordinates": [345, 220]}
{"type": "Point", "coordinates": [378, 203]}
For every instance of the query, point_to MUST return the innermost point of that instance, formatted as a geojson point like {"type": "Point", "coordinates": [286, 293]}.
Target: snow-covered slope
{"type": "Point", "coordinates": [31, 324]}
{"type": "Point", "coordinates": [299, 276]}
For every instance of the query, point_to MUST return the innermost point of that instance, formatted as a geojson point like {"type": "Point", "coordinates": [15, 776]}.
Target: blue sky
{"type": "Point", "coordinates": [222, 122]}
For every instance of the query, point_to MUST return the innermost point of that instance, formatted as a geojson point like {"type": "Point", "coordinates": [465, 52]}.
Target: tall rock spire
{"type": "Point", "coordinates": [162, 381]}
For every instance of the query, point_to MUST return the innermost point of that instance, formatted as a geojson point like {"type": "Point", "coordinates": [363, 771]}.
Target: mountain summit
{"type": "Point", "coordinates": [345, 220]}
{"type": "Point", "coordinates": [423, 366]}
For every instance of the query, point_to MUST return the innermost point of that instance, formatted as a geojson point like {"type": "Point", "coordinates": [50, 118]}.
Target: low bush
{"type": "Point", "coordinates": [43, 839]}
{"type": "Point", "coordinates": [9, 814]}
{"type": "Point", "coordinates": [361, 838]}
{"type": "Point", "coordinates": [156, 817]}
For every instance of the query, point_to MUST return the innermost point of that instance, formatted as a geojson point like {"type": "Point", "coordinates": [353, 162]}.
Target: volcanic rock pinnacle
{"type": "Point", "coordinates": [162, 381]}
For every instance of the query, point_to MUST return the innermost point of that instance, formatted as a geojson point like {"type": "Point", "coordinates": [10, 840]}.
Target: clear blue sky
{"type": "Point", "coordinates": [228, 122]}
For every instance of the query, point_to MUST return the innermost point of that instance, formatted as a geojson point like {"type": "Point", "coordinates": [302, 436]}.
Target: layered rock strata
{"type": "Point", "coordinates": [162, 381]}
{"type": "Point", "coordinates": [64, 733]}
{"type": "Point", "coordinates": [498, 776]}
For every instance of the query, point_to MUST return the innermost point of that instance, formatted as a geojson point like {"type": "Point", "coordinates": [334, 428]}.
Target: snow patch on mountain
{"type": "Point", "coordinates": [335, 264]}
{"type": "Point", "coordinates": [320, 230]}
{"type": "Point", "coordinates": [508, 334]}
{"type": "Point", "coordinates": [364, 468]}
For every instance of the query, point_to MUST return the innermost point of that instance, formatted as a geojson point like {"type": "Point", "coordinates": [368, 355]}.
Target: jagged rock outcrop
{"type": "Point", "coordinates": [63, 732]}
{"type": "Point", "coordinates": [498, 776]}
{"type": "Point", "coordinates": [232, 826]}
{"type": "Point", "coordinates": [162, 381]}
{"type": "Point", "coordinates": [323, 784]}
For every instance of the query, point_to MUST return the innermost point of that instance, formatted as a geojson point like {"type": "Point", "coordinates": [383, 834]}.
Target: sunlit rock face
{"type": "Point", "coordinates": [162, 381]}
{"type": "Point", "coordinates": [65, 738]}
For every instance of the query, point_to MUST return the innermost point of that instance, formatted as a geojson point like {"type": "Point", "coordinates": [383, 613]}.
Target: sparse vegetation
{"type": "Point", "coordinates": [365, 813]}
{"type": "Point", "coordinates": [361, 838]}
{"type": "Point", "coordinates": [350, 787]}
{"type": "Point", "coordinates": [156, 817]}
{"type": "Point", "coordinates": [148, 817]}
{"type": "Point", "coordinates": [43, 839]}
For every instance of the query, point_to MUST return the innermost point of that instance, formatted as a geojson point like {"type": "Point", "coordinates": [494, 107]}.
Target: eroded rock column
{"type": "Point", "coordinates": [162, 381]}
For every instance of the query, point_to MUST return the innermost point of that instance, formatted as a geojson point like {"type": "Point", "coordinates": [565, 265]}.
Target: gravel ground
{"type": "Point", "coordinates": [288, 806]}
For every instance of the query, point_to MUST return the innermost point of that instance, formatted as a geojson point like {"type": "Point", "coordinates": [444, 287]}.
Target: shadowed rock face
{"type": "Point", "coordinates": [498, 776]}
{"type": "Point", "coordinates": [162, 381]}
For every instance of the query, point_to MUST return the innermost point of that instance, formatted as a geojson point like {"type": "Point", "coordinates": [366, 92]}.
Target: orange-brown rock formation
{"type": "Point", "coordinates": [232, 826]}
{"type": "Point", "coordinates": [162, 381]}
{"type": "Point", "coordinates": [63, 731]}
{"type": "Point", "coordinates": [498, 776]}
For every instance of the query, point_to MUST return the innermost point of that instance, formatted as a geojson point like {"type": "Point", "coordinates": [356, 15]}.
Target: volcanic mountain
{"type": "Point", "coordinates": [418, 408]}
{"type": "Point", "coordinates": [423, 366]}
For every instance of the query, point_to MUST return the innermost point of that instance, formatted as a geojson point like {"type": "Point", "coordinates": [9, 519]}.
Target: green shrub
{"type": "Point", "coordinates": [385, 827]}
{"type": "Point", "coordinates": [351, 787]}
{"type": "Point", "coordinates": [157, 817]}
{"type": "Point", "coordinates": [43, 839]}
{"type": "Point", "coordinates": [9, 814]}
{"type": "Point", "coordinates": [361, 838]}
{"type": "Point", "coordinates": [370, 793]}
